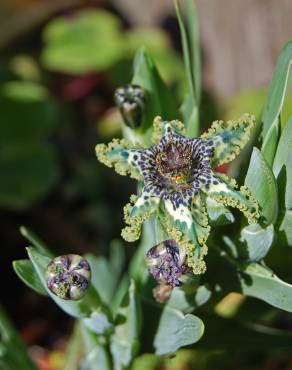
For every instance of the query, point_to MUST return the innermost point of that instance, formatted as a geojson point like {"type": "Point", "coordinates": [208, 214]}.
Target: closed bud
{"type": "Point", "coordinates": [167, 263]}
{"type": "Point", "coordinates": [68, 276]}
{"type": "Point", "coordinates": [130, 100]}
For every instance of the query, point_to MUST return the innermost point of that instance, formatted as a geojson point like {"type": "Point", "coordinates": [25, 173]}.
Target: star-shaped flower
{"type": "Point", "coordinates": [178, 176]}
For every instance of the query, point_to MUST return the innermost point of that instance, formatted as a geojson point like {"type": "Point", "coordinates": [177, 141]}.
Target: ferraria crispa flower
{"type": "Point", "coordinates": [178, 176]}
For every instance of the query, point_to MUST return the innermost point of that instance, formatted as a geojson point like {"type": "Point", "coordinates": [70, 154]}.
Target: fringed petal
{"type": "Point", "coordinates": [229, 138]}
{"type": "Point", "coordinates": [188, 225]}
{"type": "Point", "coordinates": [223, 191]}
{"type": "Point", "coordinates": [121, 155]}
{"type": "Point", "coordinates": [164, 128]}
{"type": "Point", "coordinates": [135, 213]}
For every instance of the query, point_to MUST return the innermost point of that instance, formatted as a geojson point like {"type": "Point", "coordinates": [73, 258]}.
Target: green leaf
{"type": "Point", "coordinates": [28, 173]}
{"type": "Point", "coordinates": [194, 44]}
{"type": "Point", "coordinates": [285, 228]}
{"type": "Point", "coordinates": [283, 149]}
{"type": "Point", "coordinates": [36, 241]}
{"type": "Point", "coordinates": [262, 184]}
{"type": "Point", "coordinates": [176, 330]}
{"type": "Point", "coordinates": [91, 40]}
{"type": "Point", "coordinates": [13, 354]}
{"type": "Point", "coordinates": [218, 214]}
{"type": "Point", "coordinates": [157, 42]}
{"type": "Point", "coordinates": [258, 241]}
{"type": "Point", "coordinates": [191, 53]}
{"type": "Point", "coordinates": [159, 100]}
{"type": "Point", "coordinates": [80, 309]}
{"type": "Point", "coordinates": [98, 322]}
{"type": "Point", "coordinates": [26, 272]}
{"type": "Point", "coordinates": [27, 112]}
{"type": "Point", "coordinates": [125, 340]}
{"type": "Point", "coordinates": [274, 103]}
{"type": "Point", "coordinates": [228, 334]}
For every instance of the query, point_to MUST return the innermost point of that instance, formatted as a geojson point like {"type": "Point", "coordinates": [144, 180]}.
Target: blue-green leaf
{"type": "Point", "coordinates": [176, 330]}
{"type": "Point", "coordinates": [262, 184]}
{"type": "Point", "coordinates": [125, 340]}
{"type": "Point", "coordinates": [259, 282]}
{"type": "Point", "coordinates": [258, 241]}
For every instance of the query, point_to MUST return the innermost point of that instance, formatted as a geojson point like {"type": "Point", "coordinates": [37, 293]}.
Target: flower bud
{"type": "Point", "coordinates": [130, 100]}
{"type": "Point", "coordinates": [68, 276]}
{"type": "Point", "coordinates": [167, 263]}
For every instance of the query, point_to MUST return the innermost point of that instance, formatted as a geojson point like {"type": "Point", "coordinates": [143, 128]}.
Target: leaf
{"type": "Point", "coordinates": [194, 43]}
{"type": "Point", "coordinates": [176, 330]}
{"type": "Point", "coordinates": [259, 282]}
{"type": "Point", "coordinates": [258, 241]}
{"type": "Point", "coordinates": [97, 356]}
{"type": "Point", "coordinates": [73, 350]}
{"type": "Point", "coordinates": [125, 340]}
{"type": "Point", "coordinates": [98, 322]}
{"type": "Point", "coordinates": [25, 271]}
{"type": "Point", "coordinates": [229, 334]}
{"type": "Point", "coordinates": [28, 173]}
{"type": "Point", "coordinates": [218, 214]}
{"type": "Point", "coordinates": [188, 301]}
{"type": "Point", "coordinates": [262, 184]}
{"type": "Point", "coordinates": [28, 113]}
{"type": "Point", "coordinates": [285, 228]}
{"type": "Point", "coordinates": [13, 354]}
{"type": "Point", "coordinates": [83, 308]}
{"type": "Point", "coordinates": [106, 274]}
{"type": "Point", "coordinates": [191, 53]}
{"type": "Point", "coordinates": [36, 241]}
{"type": "Point", "coordinates": [284, 148]}
{"type": "Point", "coordinates": [159, 100]}
{"type": "Point", "coordinates": [90, 40]}
{"type": "Point", "coordinates": [283, 158]}
{"type": "Point", "coordinates": [251, 279]}
{"type": "Point", "coordinates": [274, 103]}
{"type": "Point", "coordinates": [157, 42]}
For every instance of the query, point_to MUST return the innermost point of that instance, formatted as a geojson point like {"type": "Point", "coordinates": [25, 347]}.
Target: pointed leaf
{"type": "Point", "coordinates": [125, 340]}
{"type": "Point", "coordinates": [26, 272]}
{"type": "Point", "coordinates": [262, 184]}
{"type": "Point", "coordinates": [274, 103]}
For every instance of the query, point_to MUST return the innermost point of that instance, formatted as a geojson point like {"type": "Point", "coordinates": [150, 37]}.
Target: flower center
{"type": "Point", "coordinates": [174, 164]}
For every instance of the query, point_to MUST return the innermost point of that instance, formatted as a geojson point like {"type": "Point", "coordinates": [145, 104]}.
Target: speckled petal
{"type": "Point", "coordinates": [229, 138]}
{"type": "Point", "coordinates": [223, 191]}
{"type": "Point", "coordinates": [145, 204]}
{"type": "Point", "coordinates": [188, 225]}
{"type": "Point", "coordinates": [121, 155]}
{"type": "Point", "coordinates": [136, 212]}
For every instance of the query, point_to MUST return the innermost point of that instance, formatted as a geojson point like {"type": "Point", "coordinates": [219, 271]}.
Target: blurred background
{"type": "Point", "coordinates": [60, 63]}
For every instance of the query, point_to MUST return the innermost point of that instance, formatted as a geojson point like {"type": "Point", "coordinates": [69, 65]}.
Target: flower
{"type": "Point", "coordinates": [178, 176]}
{"type": "Point", "coordinates": [130, 100]}
{"type": "Point", "coordinates": [166, 263]}
{"type": "Point", "coordinates": [68, 276]}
